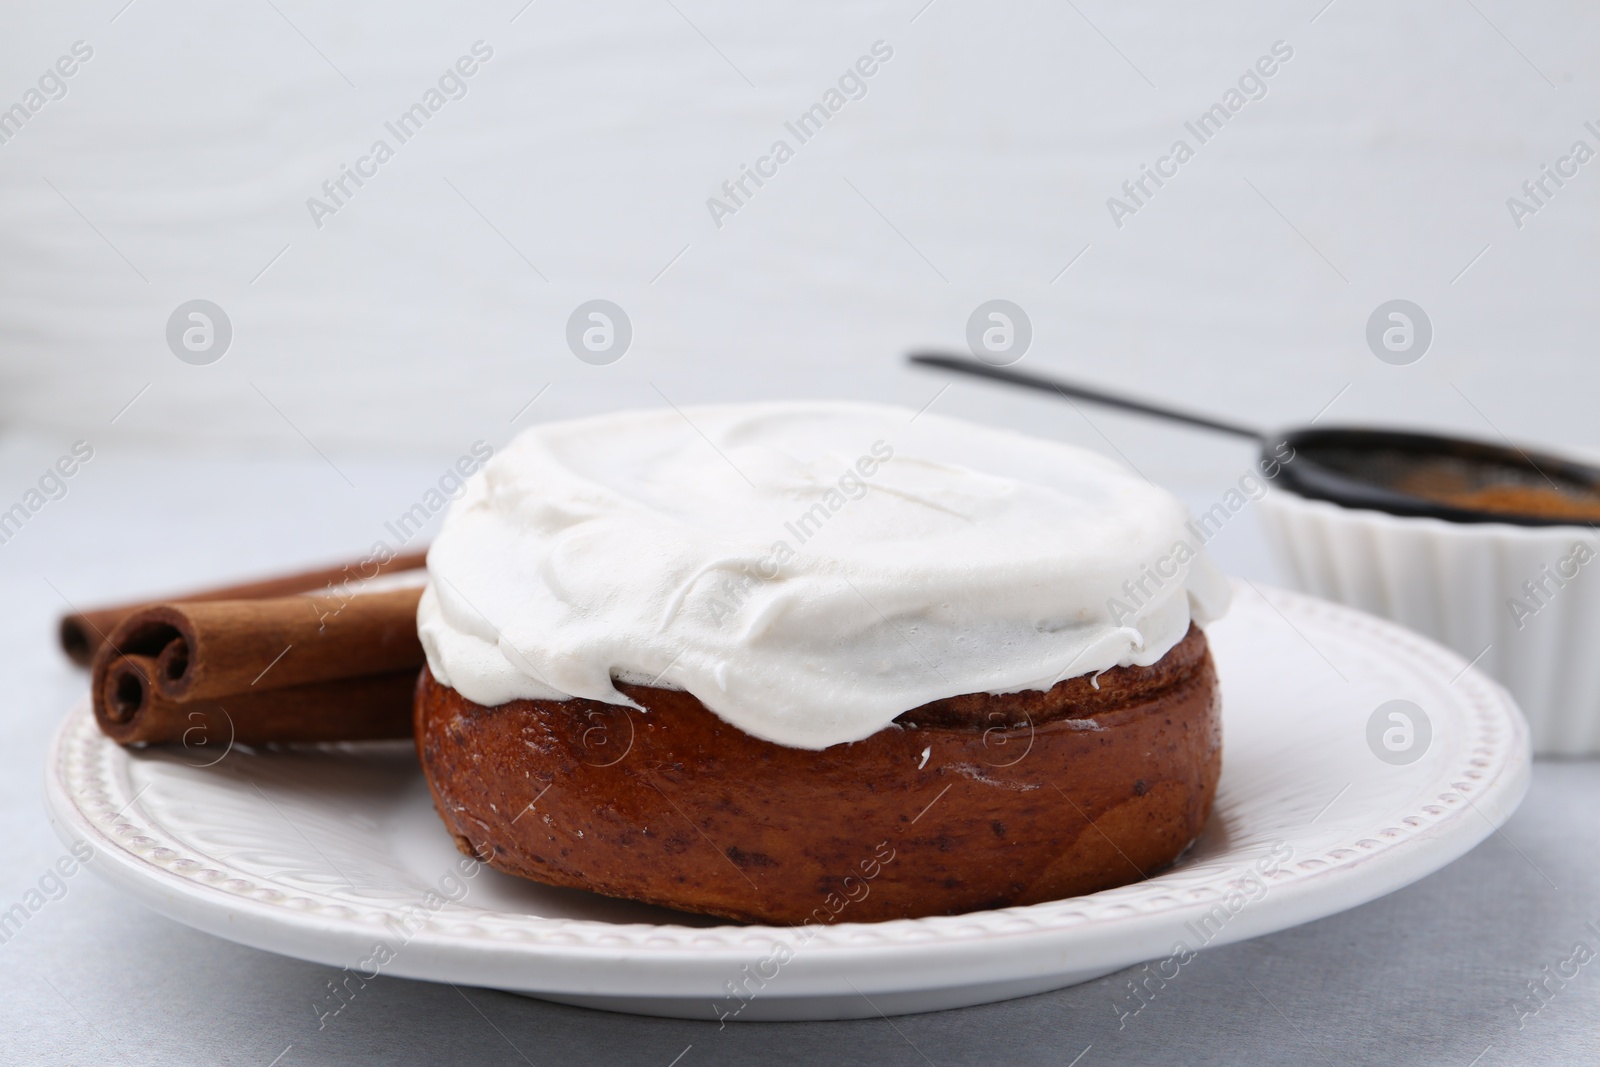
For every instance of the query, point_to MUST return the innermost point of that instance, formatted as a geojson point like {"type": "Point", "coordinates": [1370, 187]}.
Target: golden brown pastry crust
{"type": "Point", "coordinates": [978, 801]}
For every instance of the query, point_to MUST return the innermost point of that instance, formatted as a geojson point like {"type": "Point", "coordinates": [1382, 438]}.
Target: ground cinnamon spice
{"type": "Point", "coordinates": [1528, 500]}
{"type": "Point", "coordinates": [1502, 497]}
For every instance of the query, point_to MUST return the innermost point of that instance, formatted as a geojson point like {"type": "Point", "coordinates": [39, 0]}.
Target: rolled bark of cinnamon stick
{"type": "Point", "coordinates": [373, 708]}
{"type": "Point", "coordinates": [217, 648]}
{"type": "Point", "coordinates": [83, 633]}
{"type": "Point", "coordinates": [286, 669]}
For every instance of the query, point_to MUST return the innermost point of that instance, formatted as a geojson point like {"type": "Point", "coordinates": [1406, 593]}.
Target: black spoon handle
{"type": "Point", "coordinates": [964, 365]}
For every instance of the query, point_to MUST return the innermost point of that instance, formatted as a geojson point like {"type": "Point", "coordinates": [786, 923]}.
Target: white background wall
{"type": "Point", "coordinates": [179, 163]}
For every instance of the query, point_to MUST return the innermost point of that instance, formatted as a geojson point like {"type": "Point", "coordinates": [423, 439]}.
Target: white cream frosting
{"type": "Point", "coordinates": [809, 571]}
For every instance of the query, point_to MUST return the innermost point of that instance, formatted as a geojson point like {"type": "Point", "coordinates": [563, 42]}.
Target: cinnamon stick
{"type": "Point", "coordinates": [222, 647]}
{"type": "Point", "coordinates": [369, 708]}
{"type": "Point", "coordinates": [285, 669]}
{"type": "Point", "coordinates": [82, 633]}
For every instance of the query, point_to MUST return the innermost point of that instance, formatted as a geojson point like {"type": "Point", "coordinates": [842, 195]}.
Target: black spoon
{"type": "Point", "coordinates": [1080, 392]}
{"type": "Point", "coordinates": [1394, 471]}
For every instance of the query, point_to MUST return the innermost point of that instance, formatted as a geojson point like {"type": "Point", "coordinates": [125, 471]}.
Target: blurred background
{"type": "Point", "coordinates": [430, 307]}
{"type": "Point", "coordinates": [358, 340]}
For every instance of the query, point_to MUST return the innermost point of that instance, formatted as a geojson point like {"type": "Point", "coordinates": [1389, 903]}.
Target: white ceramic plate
{"type": "Point", "coordinates": [325, 853]}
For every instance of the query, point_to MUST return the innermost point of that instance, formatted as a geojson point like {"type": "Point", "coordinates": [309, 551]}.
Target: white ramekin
{"type": "Point", "coordinates": [1459, 584]}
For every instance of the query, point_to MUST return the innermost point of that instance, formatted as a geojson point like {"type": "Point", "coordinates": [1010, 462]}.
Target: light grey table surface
{"type": "Point", "coordinates": [1430, 974]}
